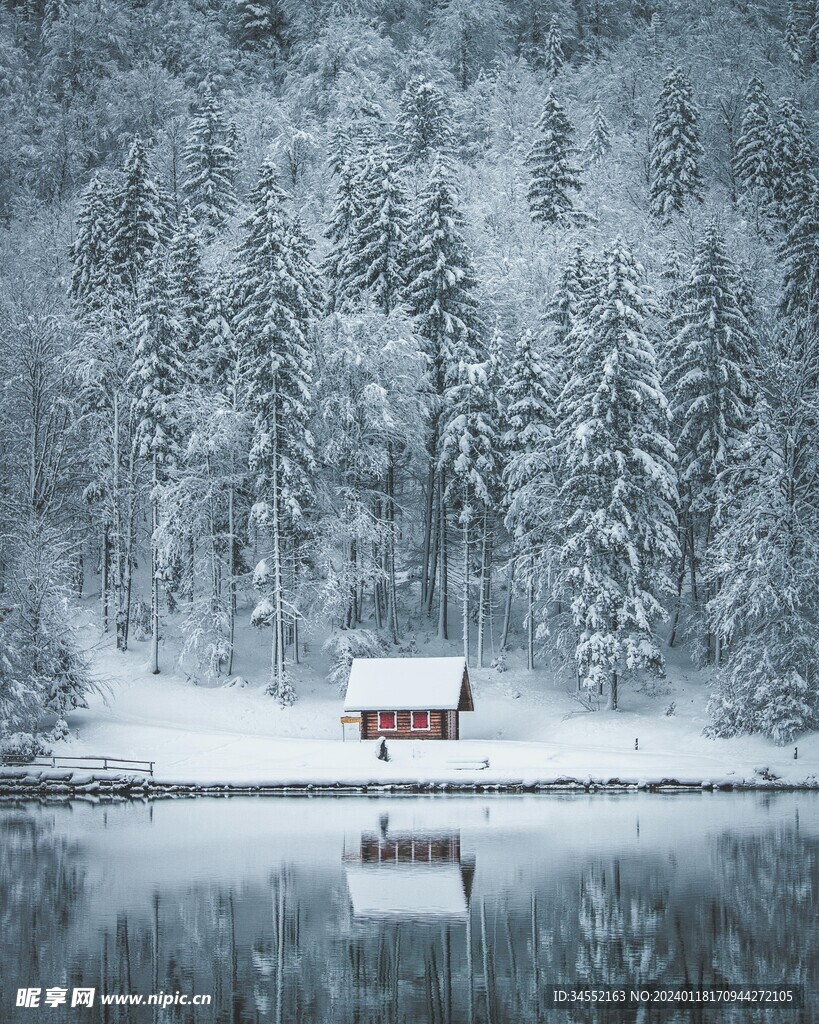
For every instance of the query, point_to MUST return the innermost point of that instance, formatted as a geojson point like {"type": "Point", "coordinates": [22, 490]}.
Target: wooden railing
{"type": "Point", "coordinates": [70, 761]}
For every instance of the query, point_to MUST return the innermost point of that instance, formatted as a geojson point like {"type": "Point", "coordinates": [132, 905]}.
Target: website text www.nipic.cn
{"type": "Point", "coordinates": [32, 998]}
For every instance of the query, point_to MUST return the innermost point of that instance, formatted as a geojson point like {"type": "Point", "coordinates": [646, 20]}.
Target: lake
{"type": "Point", "coordinates": [390, 909]}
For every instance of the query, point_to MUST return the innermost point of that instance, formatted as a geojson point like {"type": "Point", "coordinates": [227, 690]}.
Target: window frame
{"type": "Point", "coordinates": [427, 727]}
{"type": "Point", "coordinates": [387, 728]}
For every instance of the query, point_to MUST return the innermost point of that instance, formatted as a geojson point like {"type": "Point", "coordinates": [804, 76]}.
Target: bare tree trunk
{"type": "Point", "coordinates": [530, 616]}
{"type": "Point", "coordinates": [443, 582]}
{"type": "Point", "coordinates": [392, 594]}
{"type": "Point", "coordinates": [105, 561]}
{"type": "Point", "coordinates": [121, 621]}
{"type": "Point", "coordinates": [278, 672]}
{"type": "Point", "coordinates": [482, 594]}
{"type": "Point", "coordinates": [680, 580]}
{"type": "Point", "coordinates": [613, 692]}
{"type": "Point", "coordinates": [231, 576]}
{"type": "Point", "coordinates": [465, 513]}
{"type": "Point", "coordinates": [434, 560]}
{"type": "Point", "coordinates": [507, 614]}
{"type": "Point", "coordinates": [130, 545]}
{"type": "Point", "coordinates": [154, 571]}
{"type": "Point", "coordinates": [428, 569]}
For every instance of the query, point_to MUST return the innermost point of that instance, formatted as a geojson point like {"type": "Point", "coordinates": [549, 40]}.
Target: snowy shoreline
{"type": "Point", "coordinates": [22, 783]}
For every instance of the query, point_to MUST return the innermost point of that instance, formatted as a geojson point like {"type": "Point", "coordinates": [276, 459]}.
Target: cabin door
{"type": "Point", "coordinates": [452, 725]}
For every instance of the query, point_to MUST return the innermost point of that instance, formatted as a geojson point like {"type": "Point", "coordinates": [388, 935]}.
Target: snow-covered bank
{"type": "Point", "coordinates": [529, 728]}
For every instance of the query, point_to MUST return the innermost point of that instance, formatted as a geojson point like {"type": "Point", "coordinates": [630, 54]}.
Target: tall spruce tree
{"type": "Point", "coordinates": [374, 262]}
{"type": "Point", "coordinates": [424, 122]}
{"type": "Point", "coordinates": [276, 293]}
{"type": "Point", "coordinates": [529, 475]}
{"type": "Point", "coordinates": [766, 554]}
{"type": "Point", "coordinates": [345, 165]}
{"type": "Point", "coordinates": [620, 490]}
{"type": "Point", "coordinates": [138, 223]}
{"type": "Point", "coordinates": [792, 164]}
{"type": "Point", "coordinates": [210, 161]}
{"type": "Point", "coordinates": [187, 283]}
{"type": "Point", "coordinates": [752, 155]}
{"type": "Point", "coordinates": [469, 461]}
{"type": "Point", "coordinates": [553, 56]}
{"type": "Point", "coordinates": [157, 376]}
{"type": "Point", "coordinates": [91, 249]}
{"type": "Point", "coordinates": [676, 150]}
{"type": "Point", "coordinates": [598, 144]}
{"type": "Point", "coordinates": [553, 175]}
{"type": "Point", "coordinates": [800, 257]}
{"type": "Point", "coordinates": [793, 35]}
{"type": "Point", "coordinates": [440, 294]}
{"type": "Point", "coordinates": [262, 25]}
{"type": "Point", "coordinates": [710, 385]}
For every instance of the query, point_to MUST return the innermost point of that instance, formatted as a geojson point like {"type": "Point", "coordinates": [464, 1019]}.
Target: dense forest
{"type": "Point", "coordinates": [325, 314]}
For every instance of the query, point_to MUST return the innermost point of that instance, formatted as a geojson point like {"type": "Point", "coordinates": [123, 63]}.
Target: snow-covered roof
{"type": "Point", "coordinates": [395, 890]}
{"type": "Point", "coordinates": [408, 684]}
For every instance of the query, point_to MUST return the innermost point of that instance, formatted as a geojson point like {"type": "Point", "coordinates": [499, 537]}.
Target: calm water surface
{"type": "Point", "coordinates": [443, 909]}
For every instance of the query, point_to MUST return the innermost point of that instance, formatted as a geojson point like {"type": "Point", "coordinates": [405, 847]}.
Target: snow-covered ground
{"type": "Point", "coordinates": [527, 725]}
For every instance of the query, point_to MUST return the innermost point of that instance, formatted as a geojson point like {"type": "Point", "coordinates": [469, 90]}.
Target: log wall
{"type": "Point", "coordinates": [438, 727]}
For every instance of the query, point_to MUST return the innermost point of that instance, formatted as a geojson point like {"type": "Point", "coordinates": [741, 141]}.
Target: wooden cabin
{"type": "Point", "coordinates": [409, 698]}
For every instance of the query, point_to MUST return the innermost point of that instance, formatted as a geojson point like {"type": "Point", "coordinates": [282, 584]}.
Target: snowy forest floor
{"type": "Point", "coordinates": [527, 724]}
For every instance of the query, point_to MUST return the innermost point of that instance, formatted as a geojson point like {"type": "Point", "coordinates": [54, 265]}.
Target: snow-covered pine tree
{"type": "Point", "coordinates": [210, 161]}
{"type": "Point", "coordinates": [675, 148]}
{"type": "Point", "coordinates": [574, 296]}
{"type": "Point", "coordinates": [800, 258]}
{"type": "Point", "coordinates": [792, 36]}
{"type": "Point", "coordinates": [530, 34]}
{"type": "Point", "coordinates": [375, 260]}
{"type": "Point", "coordinates": [187, 283]}
{"type": "Point", "coordinates": [275, 294]}
{"type": "Point", "coordinates": [529, 477]}
{"type": "Point", "coordinates": [709, 382]}
{"type": "Point", "coordinates": [157, 372]}
{"type": "Point", "coordinates": [345, 165]}
{"type": "Point", "coordinates": [792, 163]}
{"type": "Point", "coordinates": [262, 25]}
{"type": "Point", "coordinates": [598, 144]}
{"type": "Point", "coordinates": [43, 668]}
{"type": "Point", "coordinates": [553, 176]}
{"type": "Point", "coordinates": [424, 122]}
{"type": "Point", "coordinates": [371, 421]}
{"type": "Point", "coordinates": [440, 294]}
{"type": "Point", "coordinates": [553, 54]}
{"type": "Point", "coordinates": [620, 489]}
{"type": "Point", "coordinates": [752, 154]}
{"type": "Point", "coordinates": [90, 251]}
{"type": "Point", "coordinates": [137, 223]}
{"type": "Point", "coordinates": [766, 554]}
{"type": "Point", "coordinates": [227, 390]}
{"type": "Point", "coordinates": [469, 463]}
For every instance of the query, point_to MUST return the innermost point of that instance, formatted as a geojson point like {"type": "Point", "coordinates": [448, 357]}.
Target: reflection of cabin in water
{"type": "Point", "coordinates": [408, 698]}
{"type": "Point", "coordinates": [409, 875]}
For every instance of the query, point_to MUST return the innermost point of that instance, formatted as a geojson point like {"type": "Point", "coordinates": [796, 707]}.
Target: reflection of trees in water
{"type": "Point", "coordinates": [622, 930]}
{"type": "Point", "coordinates": [766, 924]}
{"type": "Point", "coordinates": [41, 893]}
{"type": "Point", "coordinates": [296, 949]}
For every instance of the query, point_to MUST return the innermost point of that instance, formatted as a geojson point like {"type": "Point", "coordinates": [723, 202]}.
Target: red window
{"type": "Point", "coordinates": [387, 720]}
{"type": "Point", "coordinates": [420, 721]}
